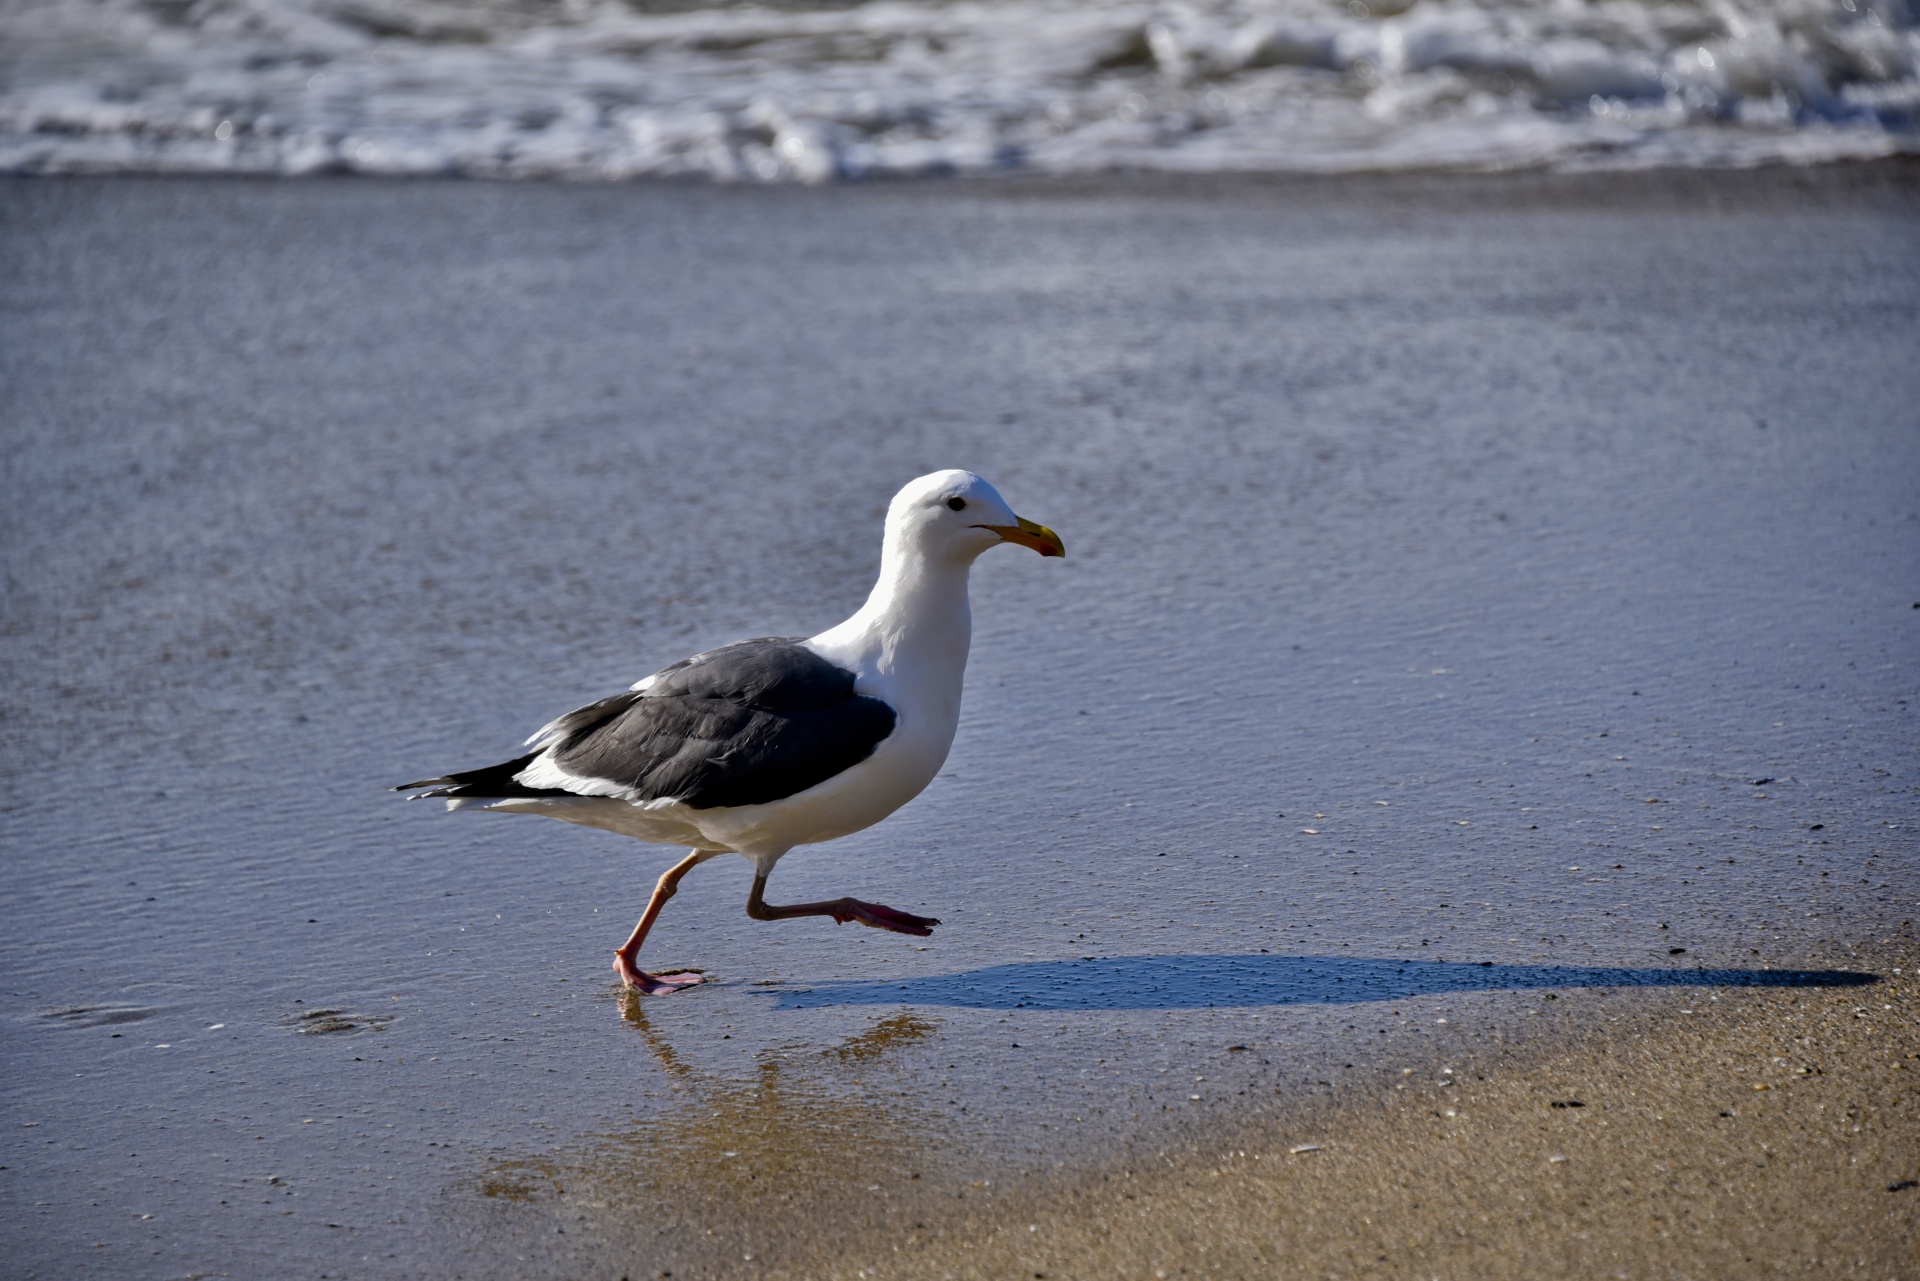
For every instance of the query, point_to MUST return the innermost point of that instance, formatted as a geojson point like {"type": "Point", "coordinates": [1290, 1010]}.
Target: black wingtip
{"type": "Point", "coordinates": [495, 782]}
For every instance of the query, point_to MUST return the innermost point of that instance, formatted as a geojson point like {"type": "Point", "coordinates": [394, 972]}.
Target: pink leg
{"type": "Point", "coordinates": [877, 915]}
{"type": "Point", "coordinates": [632, 975]}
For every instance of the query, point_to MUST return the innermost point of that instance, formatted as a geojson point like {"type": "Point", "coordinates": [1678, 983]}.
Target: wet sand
{"type": "Point", "coordinates": [1745, 1132]}
{"type": "Point", "coordinates": [1487, 643]}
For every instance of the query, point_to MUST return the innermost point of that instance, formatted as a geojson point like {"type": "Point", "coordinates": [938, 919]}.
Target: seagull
{"type": "Point", "coordinates": [765, 744]}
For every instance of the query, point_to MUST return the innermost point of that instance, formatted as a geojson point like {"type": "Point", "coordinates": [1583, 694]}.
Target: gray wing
{"type": "Point", "coordinates": [745, 724]}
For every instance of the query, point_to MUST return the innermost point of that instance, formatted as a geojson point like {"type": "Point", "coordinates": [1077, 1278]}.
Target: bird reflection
{"type": "Point", "coordinates": [805, 1127]}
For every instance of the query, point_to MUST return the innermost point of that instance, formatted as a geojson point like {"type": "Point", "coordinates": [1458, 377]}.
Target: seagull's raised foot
{"type": "Point", "coordinates": [882, 917]}
{"type": "Point", "coordinates": [653, 984]}
{"type": "Point", "coordinates": [842, 910]}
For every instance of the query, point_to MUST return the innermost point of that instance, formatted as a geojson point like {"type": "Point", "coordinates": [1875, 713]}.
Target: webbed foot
{"type": "Point", "coordinates": [654, 984]}
{"type": "Point", "coordinates": [882, 917]}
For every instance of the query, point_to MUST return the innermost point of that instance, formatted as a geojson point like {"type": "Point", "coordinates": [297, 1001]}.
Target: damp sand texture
{"type": "Point", "coordinates": [1485, 656]}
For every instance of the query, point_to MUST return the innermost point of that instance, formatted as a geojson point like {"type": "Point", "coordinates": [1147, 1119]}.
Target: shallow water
{"type": "Point", "coordinates": [1469, 600]}
{"type": "Point", "coordinates": [811, 92]}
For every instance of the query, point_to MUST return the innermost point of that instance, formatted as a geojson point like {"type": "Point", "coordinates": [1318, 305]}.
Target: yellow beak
{"type": "Point", "coordinates": [1028, 534]}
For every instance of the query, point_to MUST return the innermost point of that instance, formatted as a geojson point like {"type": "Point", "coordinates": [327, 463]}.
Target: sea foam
{"type": "Point", "coordinates": [604, 89]}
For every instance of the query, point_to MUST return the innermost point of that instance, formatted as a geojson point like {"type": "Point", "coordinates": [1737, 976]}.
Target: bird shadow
{"type": "Point", "coordinates": [1199, 982]}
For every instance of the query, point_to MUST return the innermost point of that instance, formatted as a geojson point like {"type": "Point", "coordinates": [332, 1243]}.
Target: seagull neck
{"type": "Point", "coordinates": [917, 615]}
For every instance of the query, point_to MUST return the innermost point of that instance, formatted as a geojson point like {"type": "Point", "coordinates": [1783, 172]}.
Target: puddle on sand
{"type": "Point", "coordinates": [331, 1022]}
{"type": "Point", "coordinates": [749, 1166]}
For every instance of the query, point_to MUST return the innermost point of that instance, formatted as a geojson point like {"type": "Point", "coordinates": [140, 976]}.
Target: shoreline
{"type": "Point", "coordinates": [1780, 1138]}
{"type": "Point", "coordinates": [1894, 172]}
{"type": "Point", "coordinates": [1662, 1132]}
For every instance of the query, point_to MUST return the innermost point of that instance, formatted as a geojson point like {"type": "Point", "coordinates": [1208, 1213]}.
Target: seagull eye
{"type": "Point", "coordinates": [958, 504]}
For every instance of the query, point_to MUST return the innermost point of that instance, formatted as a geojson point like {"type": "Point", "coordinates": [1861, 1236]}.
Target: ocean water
{"type": "Point", "coordinates": [814, 91]}
{"type": "Point", "coordinates": [1460, 602]}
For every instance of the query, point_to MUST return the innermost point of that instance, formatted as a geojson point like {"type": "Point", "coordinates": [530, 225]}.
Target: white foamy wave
{"type": "Point", "coordinates": [606, 89]}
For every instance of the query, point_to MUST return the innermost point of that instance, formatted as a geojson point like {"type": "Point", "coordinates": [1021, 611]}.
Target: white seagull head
{"type": "Point", "coordinates": [955, 515]}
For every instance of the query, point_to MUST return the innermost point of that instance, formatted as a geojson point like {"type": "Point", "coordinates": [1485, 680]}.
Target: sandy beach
{"type": "Point", "coordinates": [1763, 1133]}
{"type": "Point", "coordinates": [1451, 814]}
